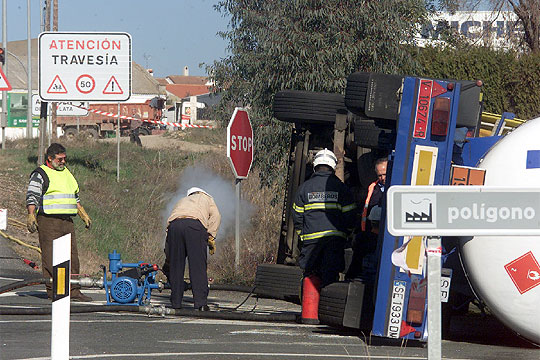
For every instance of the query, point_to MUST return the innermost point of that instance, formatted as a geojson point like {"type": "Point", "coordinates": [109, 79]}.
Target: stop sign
{"type": "Point", "coordinates": [240, 143]}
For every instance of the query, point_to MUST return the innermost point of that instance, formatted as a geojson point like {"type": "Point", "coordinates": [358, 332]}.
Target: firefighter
{"type": "Point", "coordinates": [52, 200]}
{"type": "Point", "coordinates": [324, 213]}
{"type": "Point", "coordinates": [192, 226]}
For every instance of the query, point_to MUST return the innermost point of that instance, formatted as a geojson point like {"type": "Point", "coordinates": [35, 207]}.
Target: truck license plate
{"type": "Point", "coordinates": [396, 309]}
{"type": "Point", "coordinates": [446, 278]}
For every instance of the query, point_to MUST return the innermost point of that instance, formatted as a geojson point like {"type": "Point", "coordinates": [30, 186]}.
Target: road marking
{"type": "Point", "coordinates": [249, 355]}
{"type": "Point", "coordinates": [302, 343]}
{"type": "Point", "coordinates": [11, 279]}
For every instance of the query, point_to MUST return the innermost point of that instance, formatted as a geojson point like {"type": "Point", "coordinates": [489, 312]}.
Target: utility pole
{"type": "Point", "coordinates": [3, 118]}
{"type": "Point", "coordinates": [44, 104]}
{"type": "Point", "coordinates": [29, 123]}
{"type": "Point", "coordinates": [54, 104]}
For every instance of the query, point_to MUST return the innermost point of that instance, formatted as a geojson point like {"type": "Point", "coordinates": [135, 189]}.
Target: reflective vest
{"type": "Point", "coordinates": [59, 199]}
{"type": "Point", "coordinates": [366, 205]}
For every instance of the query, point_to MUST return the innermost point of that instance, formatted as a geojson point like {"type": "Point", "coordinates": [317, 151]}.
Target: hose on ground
{"type": "Point", "coordinates": [159, 310]}
{"type": "Point", "coordinates": [9, 237]}
{"type": "Point", "coordinates": [229, 287]}
{"type": "Point", "coordinates": [20, 284]}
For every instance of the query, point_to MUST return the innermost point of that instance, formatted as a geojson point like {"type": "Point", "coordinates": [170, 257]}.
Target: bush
{"type": "Point", "coordinates": [510, 79]}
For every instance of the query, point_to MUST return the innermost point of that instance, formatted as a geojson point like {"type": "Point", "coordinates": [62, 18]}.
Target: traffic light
{"type": "Point", "coordinates": [2, 56]}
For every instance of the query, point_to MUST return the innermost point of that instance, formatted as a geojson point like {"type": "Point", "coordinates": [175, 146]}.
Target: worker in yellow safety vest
{"type": "Point", "coordinates": [52, 199]}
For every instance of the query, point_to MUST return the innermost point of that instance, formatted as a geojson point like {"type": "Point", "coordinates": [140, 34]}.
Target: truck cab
{"type": "Point", "coordinates": [422, 125]}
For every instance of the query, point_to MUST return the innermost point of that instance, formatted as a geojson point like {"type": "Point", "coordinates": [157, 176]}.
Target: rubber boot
{"type": "Point", "coordinates": [311, 293]}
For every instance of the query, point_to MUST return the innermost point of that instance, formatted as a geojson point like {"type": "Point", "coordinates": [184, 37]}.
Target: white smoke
{"type": "Point", "coordinates": [224, 194]}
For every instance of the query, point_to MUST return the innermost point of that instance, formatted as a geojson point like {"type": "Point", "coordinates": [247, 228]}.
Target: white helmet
{"type": "Point", "coordinates": [325, 157]}
{"type": "Point", "coordinates": [196, 189]}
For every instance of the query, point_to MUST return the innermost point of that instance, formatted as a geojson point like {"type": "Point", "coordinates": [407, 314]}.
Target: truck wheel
{"type": "Point", "coordinates": [355, 92]}
{"type": "Point", "coordinates": [367, 134]}
{"type": "Point", "coordinates": [279, 282]}
{"type": "Point", "coordinates": [308, 106]}
{"type": "Point", "coordinates": [332, 303]}
{"type": "Point", "coordinates": [374, 95]}
{"type": "Point", "coordinates": [144, 131]}
{"type": "Point", "coordinates": [91, 133]}
{"type": "Point", "coordinates": [70, 133]}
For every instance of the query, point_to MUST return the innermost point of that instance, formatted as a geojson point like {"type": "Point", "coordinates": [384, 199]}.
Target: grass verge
{"type": "Point", "coordinates": [128, 216]}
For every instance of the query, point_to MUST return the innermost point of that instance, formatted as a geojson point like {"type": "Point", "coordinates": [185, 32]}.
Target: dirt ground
{"type": "Point", "coordinates": [167, 142]}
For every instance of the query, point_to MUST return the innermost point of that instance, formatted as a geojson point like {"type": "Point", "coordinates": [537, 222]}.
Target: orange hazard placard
{"type": "Point", "coordinates": [463, 175]}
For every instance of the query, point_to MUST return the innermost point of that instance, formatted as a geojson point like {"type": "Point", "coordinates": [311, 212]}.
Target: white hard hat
{"type": "Point", "coordinates": [196, 189]}
{"type": "Point", "coordinates": [325, 157]}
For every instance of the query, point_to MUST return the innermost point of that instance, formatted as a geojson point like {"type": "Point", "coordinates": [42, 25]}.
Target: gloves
{"type": "Point", "coordinates": [211, 244]}
{"type": "Point", "coordinates": [31, 222]}
{"type": "Point", "coordinates": [84, 217]}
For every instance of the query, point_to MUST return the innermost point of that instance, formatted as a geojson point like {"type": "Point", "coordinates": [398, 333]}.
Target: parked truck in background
{"type": "Point", "coordinates": [429, 131]}
{"type": "Point", "coordinates": [97, 125]}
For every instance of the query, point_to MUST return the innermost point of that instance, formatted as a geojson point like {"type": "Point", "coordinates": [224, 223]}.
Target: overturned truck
{"type": "Point", "coordinates": [429, 129]}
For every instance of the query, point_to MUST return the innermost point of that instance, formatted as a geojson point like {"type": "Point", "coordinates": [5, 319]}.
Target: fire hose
{"type": "Point", "coordinates": [145, 309]}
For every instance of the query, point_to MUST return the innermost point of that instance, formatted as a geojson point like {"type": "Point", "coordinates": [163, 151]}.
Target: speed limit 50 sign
{"type": "Point", "coordinates": [84, 66]}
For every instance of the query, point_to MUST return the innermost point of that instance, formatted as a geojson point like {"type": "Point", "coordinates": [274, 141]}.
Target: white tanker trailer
{"type": "Point", "coordinates": [504, 271]}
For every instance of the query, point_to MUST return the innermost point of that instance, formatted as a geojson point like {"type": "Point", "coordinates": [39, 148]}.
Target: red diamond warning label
{"type": "Point", "coordinates": [524, 272]}
{"type": "Point", "coordinates": [112, 87]}
{"type": "Point", "coordinates": [57, 86]}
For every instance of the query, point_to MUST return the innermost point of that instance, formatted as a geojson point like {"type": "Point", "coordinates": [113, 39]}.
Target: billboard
{"type": "Point", "coordinates": [17, 105]}
{"type": "Point", "coordinates": [498, 29]}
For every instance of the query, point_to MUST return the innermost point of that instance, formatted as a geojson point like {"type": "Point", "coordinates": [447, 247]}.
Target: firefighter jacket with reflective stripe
{"type": "Point", "coordinates": [60, 197]}
{"type": "Point", "coordinates": [324, 206]}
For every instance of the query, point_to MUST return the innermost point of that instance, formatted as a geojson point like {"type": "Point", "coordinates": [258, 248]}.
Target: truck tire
{"type": "Point", "coordinates": [70, 133]}
{"type": "Point", "coordinates": [373, 95]}
{"type": "Point", "coordinates": [355, 92]}
{"type": "Point", "coordinates": [368, 134]}
{"type": "Point", "coordinates": [308, 106]}
{"type": "Point", "coordinates": [278, 281]}
{"type": "Point", "coordinates": [144, 131]}
{"type": "Point", "coordinates": [332, 303]}
{"type": "Point", "coordinates": [91, 133]}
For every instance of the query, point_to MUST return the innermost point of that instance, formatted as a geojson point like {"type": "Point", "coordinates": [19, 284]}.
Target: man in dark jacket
{"type": "Point", "coordinates": [324, 214]}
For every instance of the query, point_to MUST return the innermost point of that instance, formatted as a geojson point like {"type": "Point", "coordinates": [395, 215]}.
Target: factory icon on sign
{"type": "Point", "coordinates": [418, 210]}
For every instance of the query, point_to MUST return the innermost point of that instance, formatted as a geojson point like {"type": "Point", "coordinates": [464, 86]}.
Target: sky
{"type": "Point", "coordinates": [166, 34]}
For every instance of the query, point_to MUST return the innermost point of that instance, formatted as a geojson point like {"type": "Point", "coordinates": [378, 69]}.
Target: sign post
{"type": "Point", "coordinates": [435, 211]}
{"type": "Point", "coordinates": [61, 296]}
{"type": "Point", "coordinates": [240, 154]}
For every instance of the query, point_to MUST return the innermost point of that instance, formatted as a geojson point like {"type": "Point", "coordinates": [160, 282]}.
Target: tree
{"type": "Point", "coordinates": [527, 11]}
{"type": "Point", "coordinates": [309, 45]}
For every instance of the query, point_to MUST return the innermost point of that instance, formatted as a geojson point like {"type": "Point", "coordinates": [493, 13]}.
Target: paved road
{"type": "Point", "coordinates": [131, 335]}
